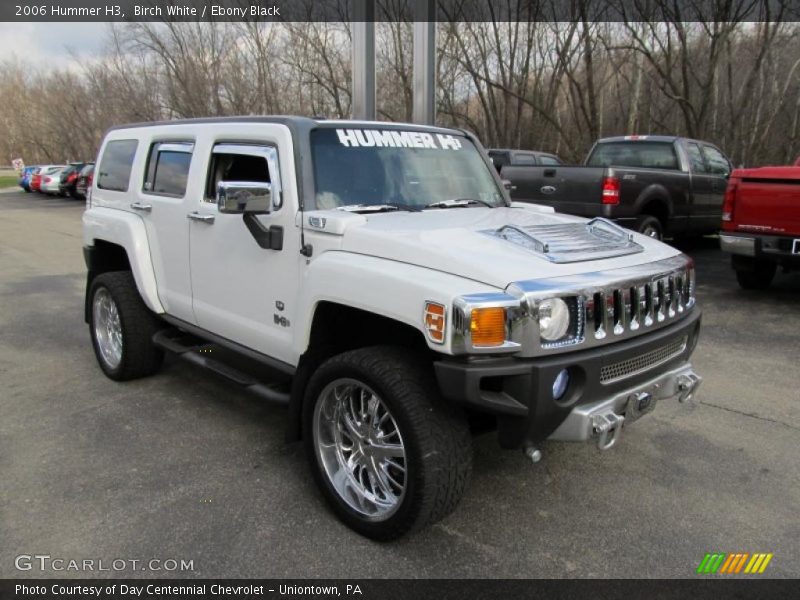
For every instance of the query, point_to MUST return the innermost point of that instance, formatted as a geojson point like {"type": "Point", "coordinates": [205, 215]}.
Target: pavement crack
{"type": "Point", "coordinates": [751, 415]}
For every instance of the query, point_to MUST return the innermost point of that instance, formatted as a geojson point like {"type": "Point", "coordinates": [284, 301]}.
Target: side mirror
{"type": "Point", "coordinates": [242, 197]}
{"type": "Point", "coordinates": [508, 185]}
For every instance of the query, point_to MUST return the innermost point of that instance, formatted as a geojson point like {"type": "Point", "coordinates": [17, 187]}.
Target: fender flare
{"type": "Point", "coordinates": [128, 231]}
{"type": "Point", "coordinates": [654, 194]}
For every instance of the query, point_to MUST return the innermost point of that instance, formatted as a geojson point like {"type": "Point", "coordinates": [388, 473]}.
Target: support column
{"type": "Point", "coordinates": [363, 30]}
{"type": "Point", "coordinates": [425, 62]}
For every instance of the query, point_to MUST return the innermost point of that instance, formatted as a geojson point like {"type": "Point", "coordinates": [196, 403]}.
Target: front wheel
{"type": "Point", "coordinates": [650, 226]}
{"type": "Point", "coordinates": [122, 327]}
{"type": "Point", "coordinates": [389, 454]}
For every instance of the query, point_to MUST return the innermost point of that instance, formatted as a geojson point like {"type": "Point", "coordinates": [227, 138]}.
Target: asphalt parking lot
{"type": "Point", "coordinates": [181, 466]}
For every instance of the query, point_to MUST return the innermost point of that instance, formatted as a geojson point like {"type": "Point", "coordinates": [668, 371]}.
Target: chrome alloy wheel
{"type": "Point", "coordinates": [360, 448]}
{"type": "Point", "coordinates": [107, 328]}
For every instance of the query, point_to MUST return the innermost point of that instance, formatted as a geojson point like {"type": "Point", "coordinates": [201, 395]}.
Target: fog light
{"type": "Point", "coordinates": [560, 384]}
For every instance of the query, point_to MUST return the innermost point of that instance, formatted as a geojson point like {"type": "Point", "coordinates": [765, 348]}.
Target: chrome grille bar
{"type": "Point", "coordinates": [613, 305]}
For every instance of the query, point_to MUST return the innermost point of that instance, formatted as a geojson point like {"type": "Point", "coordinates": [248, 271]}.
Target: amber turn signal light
{"type": "Point", "coordinates": [488, 326]}
{"type": "Point", "coordinates": [435, 322]}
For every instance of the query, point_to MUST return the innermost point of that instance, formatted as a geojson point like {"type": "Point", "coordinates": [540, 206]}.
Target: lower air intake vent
{"type": "Point", "coordinates": [640, 364]}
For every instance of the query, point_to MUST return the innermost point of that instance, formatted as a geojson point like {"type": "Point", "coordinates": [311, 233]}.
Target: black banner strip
{"type": "Point", "coordinates": [715, 588]}
{"type": "Point", "coordinates": [400, 10]}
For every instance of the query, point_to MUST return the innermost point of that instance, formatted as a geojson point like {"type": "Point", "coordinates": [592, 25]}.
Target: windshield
{"type": "Point", "coordinates": [404, 168]}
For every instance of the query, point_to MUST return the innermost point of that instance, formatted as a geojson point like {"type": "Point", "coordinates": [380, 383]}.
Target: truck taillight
{"type": "Point", "coordinates": [610, 190]}
{"type": "Point", "coordinates": [729, 201]}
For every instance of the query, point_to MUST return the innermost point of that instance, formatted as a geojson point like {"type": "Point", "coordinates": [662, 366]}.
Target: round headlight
{"type": "Point", "coordinates": [553, 319]}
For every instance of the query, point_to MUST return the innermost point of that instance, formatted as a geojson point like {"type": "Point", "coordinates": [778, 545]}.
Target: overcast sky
{"type": "Point", "coordinates": [48, 44]}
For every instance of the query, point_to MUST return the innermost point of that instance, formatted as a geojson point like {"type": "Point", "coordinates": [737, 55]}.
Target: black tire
{"type": "Point", "coordinates": [140, 357]}
{"type": "Point", "coordinates": [435, 434]}
{"type": "Point", "coordinates": [650, 226]}
{"type": "Point", "coordinates": [754, 274]}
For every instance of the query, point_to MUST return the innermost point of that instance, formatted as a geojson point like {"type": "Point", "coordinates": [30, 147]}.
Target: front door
{"type": "Point", "coordinates": [241, 291]}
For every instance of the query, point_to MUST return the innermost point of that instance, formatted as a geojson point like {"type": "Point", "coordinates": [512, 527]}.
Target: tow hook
{"type": "Point", "coordinates": [608, 426]}
{"type": "Point", "coordinates": [688, 385]}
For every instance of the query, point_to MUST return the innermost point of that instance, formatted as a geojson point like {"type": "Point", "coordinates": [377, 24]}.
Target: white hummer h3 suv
{"type": "Point", "coordinates": [375, 278]}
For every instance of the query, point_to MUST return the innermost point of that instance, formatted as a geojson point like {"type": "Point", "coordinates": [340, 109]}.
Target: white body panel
{"type": "Point", "coordinates": [392, 289]}
{"type": "Point", "coordinates": [450, 241]}
{"type": "Point", "coordinates": [214, 274]}
{"type": "Point", "coordinates": [127, 230]}
{"type": "Point", "coordinates": [166, 224]}
{"type": "Point", "coordinates": [237, 284]}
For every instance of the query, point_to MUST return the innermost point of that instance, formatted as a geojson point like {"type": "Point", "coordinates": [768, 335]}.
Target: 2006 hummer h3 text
{"type": "Point", "coordinates": [379, 273]}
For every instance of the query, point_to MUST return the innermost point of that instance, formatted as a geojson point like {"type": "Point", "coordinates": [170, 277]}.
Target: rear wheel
{"type": "Point", "coordinates": [389, 454]}
{"type": "Point", "coordinates": [650, 226]}
{"type": "Point", "coordinates": [754, 274]}
{"type": "Point", "coordinates": [122, 328]}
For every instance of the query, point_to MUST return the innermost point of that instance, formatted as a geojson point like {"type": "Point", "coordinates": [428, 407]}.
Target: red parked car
{"type": "Point", "coordinates": [36, 180]}
{"type": "Point", "coordinates": [761, 223]}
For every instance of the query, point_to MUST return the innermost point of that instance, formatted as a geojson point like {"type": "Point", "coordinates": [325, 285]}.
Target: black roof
{"type": "Point", "coordinates": [295, 123]}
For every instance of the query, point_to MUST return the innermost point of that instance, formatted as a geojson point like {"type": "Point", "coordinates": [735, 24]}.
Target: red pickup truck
{"type": "Point", "coordinates": [761, 223]}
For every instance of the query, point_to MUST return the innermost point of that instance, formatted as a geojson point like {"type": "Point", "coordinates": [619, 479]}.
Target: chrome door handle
{"type": "Point", "coordinates": [140, 206]}
{"type": "Point", "coordinates": [195, 216]}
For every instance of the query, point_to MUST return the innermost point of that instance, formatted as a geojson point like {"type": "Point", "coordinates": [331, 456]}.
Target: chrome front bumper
{"type": "Point", "coordinates": [603, 419]}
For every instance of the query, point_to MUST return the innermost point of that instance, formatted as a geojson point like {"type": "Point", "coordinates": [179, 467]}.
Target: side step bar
{"type": "Point", "coordinates": [187, 347]}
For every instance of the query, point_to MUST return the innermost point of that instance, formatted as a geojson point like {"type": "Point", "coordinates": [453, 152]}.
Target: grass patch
{"type": "Point", "coordinates": [8, 180]}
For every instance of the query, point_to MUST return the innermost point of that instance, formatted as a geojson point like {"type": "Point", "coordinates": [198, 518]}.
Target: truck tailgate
{"type": "Point", "coordinates": [561, 187]}
{"type": "Point", "coordinates": [768, 200]}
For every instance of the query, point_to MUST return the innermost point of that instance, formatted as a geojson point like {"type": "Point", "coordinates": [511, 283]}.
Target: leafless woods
{"type": "Point", "coordinates": [531, 83]}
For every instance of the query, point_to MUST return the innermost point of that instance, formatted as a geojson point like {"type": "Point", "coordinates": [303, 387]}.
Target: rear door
{"type": "Point", "coordinates": [161, 199]}
{"type": "Point", "coordinates": [704, 212]}
{"type": "Point", "coordinates": [719, 169]}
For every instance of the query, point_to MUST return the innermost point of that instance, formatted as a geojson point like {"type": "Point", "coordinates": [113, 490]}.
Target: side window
{"type": "Point", "coordinates": [248, 164]}
{"type": "Point", "coordinates": [717, 163]}
{"type": "Point", "coordinates": [114, 172]}
{"type": "Point", "coordinates": [499, 159]}
{"type": "Point", "coordinates": [168, 168]}
{"type": "Point", "coordinates": [696, 162]}
{"type": "Point", "coordinates": [524, 159]}
{"type": "Point", "coordinates": [548, 160]}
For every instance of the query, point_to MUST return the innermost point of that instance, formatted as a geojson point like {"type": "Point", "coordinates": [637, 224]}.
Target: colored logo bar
{"type": "Point", "coordinates": [734, 563]}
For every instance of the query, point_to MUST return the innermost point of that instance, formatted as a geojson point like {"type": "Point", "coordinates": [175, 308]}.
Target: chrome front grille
{"type": "Point", "coordinates": [613, 311]}
{"type": "Point", "coordinates": [649, 360]}
{"type": "Point", "coordinates": [614, 305]}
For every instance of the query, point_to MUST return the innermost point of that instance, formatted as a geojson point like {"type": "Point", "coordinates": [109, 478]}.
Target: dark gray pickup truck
{"type": "Point", "coordinates": [656, 185]}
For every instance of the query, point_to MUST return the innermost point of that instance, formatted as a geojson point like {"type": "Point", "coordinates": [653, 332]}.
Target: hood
{"type": "Point", "coordinates": [455, 241]}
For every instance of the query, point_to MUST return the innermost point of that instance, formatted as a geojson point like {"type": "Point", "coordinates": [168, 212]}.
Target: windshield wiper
{"type": "Point", "coordinates": [458, 203]}
{"type": "Point", "coordinates": [358, 208]}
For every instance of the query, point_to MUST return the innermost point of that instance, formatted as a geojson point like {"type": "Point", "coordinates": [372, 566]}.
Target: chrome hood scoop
{"type": "Point", "coordinates": [571, 242]}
